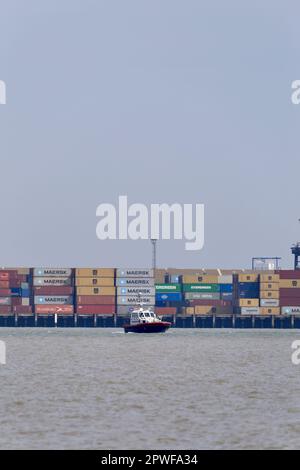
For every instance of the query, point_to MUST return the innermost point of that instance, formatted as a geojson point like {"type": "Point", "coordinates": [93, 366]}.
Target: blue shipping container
{"type": "Point", "coordinates": [226, 296]}
{"type": "Point", "coordinates": [16, 292]}
{"type": "Point", "coordinates": [226, 287]}
{"type": "Point", "coordinates": [249, 294]}
{"type": "Point", "coordinates": [168, 297]}
{"type": "Point", "coordinates": [248, 285]}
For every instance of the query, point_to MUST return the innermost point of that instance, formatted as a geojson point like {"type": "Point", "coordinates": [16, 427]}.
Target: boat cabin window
{"type": "Point", "coordinates": [147, 314]}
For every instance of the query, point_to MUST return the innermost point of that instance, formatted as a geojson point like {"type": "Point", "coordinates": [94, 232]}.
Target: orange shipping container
{"type": "Point", "coordinates": [248, 277]}
{"type": "Point", "coordinates": [95, 272]}
{"type": "Point", "coordinates": [189, 310]}
{"type": "Point", "coordinates": [50, 309]}
{"type": "Point", "coordinates": [269, 286]}
{"type": "Point", "coordinates": [95, 281]}
{"type": "Point", "coordinates": [96, 290]}
{"type": "Point", "coordinates": [200, 279]}
{"type": "Point", "coordinates": [270, 311]}
{"type": "Point", "coordinates": [249, 303]}
{"type": "Point", "coordinates": [289, 283]}
{"type": "Point", "coordinates": [269, 278]}
{"type": "Point", "coordinates": [203, 309]}
{"type": "Point", "coordinates": [269, 294]}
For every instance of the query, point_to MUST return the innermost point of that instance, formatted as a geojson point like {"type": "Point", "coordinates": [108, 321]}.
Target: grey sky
{"type": "Point", "coordinates": [164, 101]}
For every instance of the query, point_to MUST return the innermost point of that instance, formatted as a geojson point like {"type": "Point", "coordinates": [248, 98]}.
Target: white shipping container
{"type": "Point", "coordinates": [52, 281]}
{"type": "Point", "coordinates": [127, 309]}
{"type": "Point", "coordinates": [135, 291]}
{"type": "Point", "coordinates": [135, 282]}
{"type": "Point", "coordinates": [132, 300]}
{"type": "Point", "coordinates": [51, 299]}
{"type": "Point", "coordinates": [50, 272]}
{"type": "Point", "coordinates": [269, 302]}
{"type": "Point", "coordinates": [135, 272]}
{"type": "Point", "coordinates": [250, 311]}
{"type": "Point", "coordinates": [290, 310]}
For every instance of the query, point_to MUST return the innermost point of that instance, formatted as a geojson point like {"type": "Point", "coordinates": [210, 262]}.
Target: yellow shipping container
{"type": "Point", "coordinates": [289, 283]}
{"type": "Point", "coordinates": [269, 294]}
{"type": "Point", "coordinates": [248, 277]}
{"type": "Point", "coordinates": [270, 311]}
{"type": "Point", "coordinates": [95, 281]}
{"type": "Point", "coordinates": [269, 286]}
{"type": "Point", "coordinates": [269, 278]}
{"type": "Point", "coordinates": [95, 272]}
{"type": "Point", "coordinates": [96, 290]}
{"type": "Point", "coordinates": [249, 303]}
{"type": "Point", "coordinates": [200, 279]}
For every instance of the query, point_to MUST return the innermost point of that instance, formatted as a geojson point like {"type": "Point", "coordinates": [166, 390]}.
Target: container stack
{"type": "Point", "coordinates": [168, 298]}
{"type": "Point", "coordinates": [134, 286]}
{"type": "Point", "coordinates": [289, 289]}
{"type": "Point", "coordinates": [95, 291]}
{"type": "Point", "coordinates": [15, 291]}
{"type": "Point", "coordinates": [246, 294]}
{"type": "Point", "coordinates": [269, 294]}
{"type": "Point", "coordinates": [53, 291]}
{"type": "Point", "coordinates": [207, 294]}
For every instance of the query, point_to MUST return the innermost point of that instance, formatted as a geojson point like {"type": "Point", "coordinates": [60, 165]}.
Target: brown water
{"type": "Point", "coordinates": [193, 389]}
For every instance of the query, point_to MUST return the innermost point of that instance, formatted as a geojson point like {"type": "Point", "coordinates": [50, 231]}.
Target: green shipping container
{"type": "Point", "coordinates": [161, 288]}
{"type": "Point", "coordinates": [201, 287]}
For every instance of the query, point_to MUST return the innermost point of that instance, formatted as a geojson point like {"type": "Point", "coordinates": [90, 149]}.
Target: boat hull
{"type": "Point", "coordinates": [155, 327]}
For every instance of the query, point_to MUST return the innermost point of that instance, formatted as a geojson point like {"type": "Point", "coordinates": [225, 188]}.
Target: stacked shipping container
{"type": "Point", "coordinates": [15, 291]}
{"type": "Point", "coordinates": [289, 292]}
{"type": "Point", "coordinates": [269, 294]}
{"type": "Point", "coordinates": [106, 291]}
{"type": "Point", "coordinates": [53, 291]}
{"type": "Point", "coordinates": [246, 293]}
{"type": "Point", "coordinates": [95, 291]}
{"type": "Point", "coordinates": [134, 286]}
{"type": "Point", "coordinates": [207, 294]}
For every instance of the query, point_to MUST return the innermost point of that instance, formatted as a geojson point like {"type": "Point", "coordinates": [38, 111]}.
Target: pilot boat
{"type": "Point", "coordinates": [145, 321]}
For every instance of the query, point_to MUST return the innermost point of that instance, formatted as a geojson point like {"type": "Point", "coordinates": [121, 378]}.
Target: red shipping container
{"type": "Point", "coordinates": [5, 292]}
{"type": "Point", "coordinates": [53, 291]}
{"type": "Point", "coordinates": [5, 309]}
{"type": "Point", "coordinates": [14, 284]}
{"type": "Point", "coordinates": [288, 302]}
{"type": "Point", "coordinates": [69, 309]}
{"type": "Point", "coordinates": [289, 274]}
{"type": "Point", "coordinates": [96, 309]}
{"type": "Point", "coordinates": [4, 284]}
{"type": "Point", "coordinates": [22, 309]}
{"type": "Point", "coordinates": [18, 278]}
{"type": "Point", "coordinates": [96, 300]}
{"type": "Point", "coordinates": [165, 310]}
{"type": "Point", "coordinates": [289, 293]}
